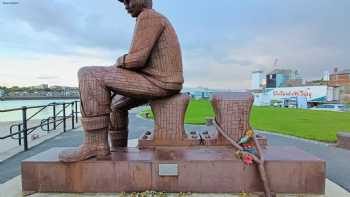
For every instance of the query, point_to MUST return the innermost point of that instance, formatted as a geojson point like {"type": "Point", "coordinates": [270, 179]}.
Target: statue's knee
{"type": "Point", "coordinates": [85, 72]}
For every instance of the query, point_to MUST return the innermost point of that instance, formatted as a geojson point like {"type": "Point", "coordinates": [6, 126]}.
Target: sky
{"type": "Point", "coordinates": [47, 41]}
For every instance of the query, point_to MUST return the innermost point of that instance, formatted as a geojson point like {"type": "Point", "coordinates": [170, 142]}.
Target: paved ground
{"type": "Point", "coordinates": [338, 160]}
{"type": "Point", "coordinates": [12, 188]}
{"type": "Point", "coordinates": [9, 147]}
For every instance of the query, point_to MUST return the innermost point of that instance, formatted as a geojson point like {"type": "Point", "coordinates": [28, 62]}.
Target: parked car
{"type": "Point", "coordinates": [276, 103]}
{"type": "Point", "coordinates": [331, 107]}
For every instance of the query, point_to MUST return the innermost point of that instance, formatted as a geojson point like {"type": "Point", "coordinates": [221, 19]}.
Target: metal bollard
{"type": "Point", "coordinates": [72, 107]}
{"type": "Point", "coordinates": [48, 125]}
{"type": "Point", "coordinates": [19, 135]}
{"type": "Point", "coordinates": [54, 116]}
{"type": "Point", "coordinates": [76, 111]}
{"type": "Point", "coordinates": [64, 117]}
{"type": "Point", "coordinates": [25, 131]}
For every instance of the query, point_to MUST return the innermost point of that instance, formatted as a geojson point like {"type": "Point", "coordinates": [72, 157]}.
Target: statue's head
{"type": "Point", "coordinates": [135, 7]}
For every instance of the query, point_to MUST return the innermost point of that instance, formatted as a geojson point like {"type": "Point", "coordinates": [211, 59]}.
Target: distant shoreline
{"type": "Point", "coordinates": [12, 98]}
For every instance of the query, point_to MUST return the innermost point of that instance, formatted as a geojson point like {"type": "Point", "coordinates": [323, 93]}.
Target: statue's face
{"type": "Point", "coordinates": [133, 7]}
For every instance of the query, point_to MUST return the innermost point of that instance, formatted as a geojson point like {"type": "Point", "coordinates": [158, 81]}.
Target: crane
{"type": "Point", "coordinates": [275, 64]}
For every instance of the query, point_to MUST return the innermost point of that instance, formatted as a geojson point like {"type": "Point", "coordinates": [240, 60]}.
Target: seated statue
{"type": "Point", "coordinates": [152, 69]}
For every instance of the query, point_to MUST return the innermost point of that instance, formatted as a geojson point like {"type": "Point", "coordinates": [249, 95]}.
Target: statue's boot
{"type": "Point", "coordinates": [118, 131]}
{"type": "Point", "coordinates": [95, 142]}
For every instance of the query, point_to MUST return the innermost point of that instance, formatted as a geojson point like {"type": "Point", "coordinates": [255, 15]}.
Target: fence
{"type": "Point", "coordinates": [20, 131]}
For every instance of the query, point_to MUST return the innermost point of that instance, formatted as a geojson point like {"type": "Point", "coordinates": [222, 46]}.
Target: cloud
{"type": "Point", "coordinates": [222, 42]}
{"type": "Point", "coordinates": [56, 26]}
{"type": "Point", "coordinates": [47, 77]}
{"type": "Point", "coordinates": [296, 47]}
{"type": "Point", "coordinates": [51, 69]}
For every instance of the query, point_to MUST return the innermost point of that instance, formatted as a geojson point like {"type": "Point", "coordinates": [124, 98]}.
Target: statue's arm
{"type": "Point", "coordinates": [147, 32]}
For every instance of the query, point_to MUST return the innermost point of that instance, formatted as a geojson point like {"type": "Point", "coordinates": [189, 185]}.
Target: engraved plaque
{"type": "Point", "coordinates": [168, 170]}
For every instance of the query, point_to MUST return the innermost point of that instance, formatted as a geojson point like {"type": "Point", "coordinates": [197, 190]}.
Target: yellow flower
{"type": "Point", "coordinates": [243, 194]}
{"type": "Point", "coordinates": [250, 133]}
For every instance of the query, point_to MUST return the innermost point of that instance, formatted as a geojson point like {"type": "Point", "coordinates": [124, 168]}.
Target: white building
{"type": "Point", "coordinates": [2, 92]}
{"type": "Point", "coordinates": [326, 76]}
{"type": "Point", "coordinates": [257, 78]}
{"type": "Point", "coordinates": [42, 86]}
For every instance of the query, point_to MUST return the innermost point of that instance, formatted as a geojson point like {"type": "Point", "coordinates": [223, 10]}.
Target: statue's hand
{"type": "Point", "coordinates": [120, 61]}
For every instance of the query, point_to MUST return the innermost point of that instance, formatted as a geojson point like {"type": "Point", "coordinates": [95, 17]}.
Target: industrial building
{"type": "Point", "coordinates": [341, 78]}
{"type": "Point", "coordinates": [283, 78]}
{"type": "Point", "coordinates": [340, 83]}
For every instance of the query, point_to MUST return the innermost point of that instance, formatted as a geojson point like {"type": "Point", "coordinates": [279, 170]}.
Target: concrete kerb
{"type": "Point", "coordinates": [296, 138]}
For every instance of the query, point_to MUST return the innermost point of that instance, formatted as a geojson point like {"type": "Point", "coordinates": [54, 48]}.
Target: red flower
{"type": "Point", "coordinates": [247, 159]}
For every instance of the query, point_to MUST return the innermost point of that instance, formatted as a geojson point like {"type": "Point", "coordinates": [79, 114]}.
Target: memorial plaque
{"type": "Point", "coordinates": [168, 170]}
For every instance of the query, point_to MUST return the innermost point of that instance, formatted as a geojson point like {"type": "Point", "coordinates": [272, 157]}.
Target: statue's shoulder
{"type": "Point", "coordinates": [151, 13]}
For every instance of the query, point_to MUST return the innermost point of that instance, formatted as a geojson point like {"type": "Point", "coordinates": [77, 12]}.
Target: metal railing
{"type": "Point", "coordinates": [20, 131]}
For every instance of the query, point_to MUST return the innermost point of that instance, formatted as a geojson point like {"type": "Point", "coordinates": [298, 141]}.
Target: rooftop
{"type": "Point", "coordinates": [346, 71]}
{"type": "Point", "coordinates": [281, 71]}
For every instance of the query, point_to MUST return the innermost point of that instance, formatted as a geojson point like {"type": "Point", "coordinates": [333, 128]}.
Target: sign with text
{"type": "Point", "coordinates": [309, 92]}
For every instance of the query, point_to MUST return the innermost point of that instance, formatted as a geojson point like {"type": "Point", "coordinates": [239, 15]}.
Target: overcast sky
{"type": "Point", "coordinates": [47, 41]}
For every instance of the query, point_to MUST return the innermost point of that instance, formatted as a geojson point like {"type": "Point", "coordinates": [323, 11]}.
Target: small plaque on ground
{"type": "Point", "coordinates": [168, 170]}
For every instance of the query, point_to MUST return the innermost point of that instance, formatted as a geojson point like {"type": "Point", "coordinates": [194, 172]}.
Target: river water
{"type": "Point", "coordinates": [17, 115]}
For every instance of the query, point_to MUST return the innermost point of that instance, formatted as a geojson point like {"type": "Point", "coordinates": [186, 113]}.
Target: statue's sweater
{"type": "Point", "coordinates": [155, 51]}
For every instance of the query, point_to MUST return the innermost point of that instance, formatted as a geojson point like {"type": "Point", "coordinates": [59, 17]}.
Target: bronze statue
{"type": "Point", "coordinates": [152, 69]}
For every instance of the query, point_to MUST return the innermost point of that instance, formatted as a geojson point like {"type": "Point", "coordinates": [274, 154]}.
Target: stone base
{"type": "Point", "coordinates": [199, 169]}
{"type": "Point", "coordinates": [343, 140]}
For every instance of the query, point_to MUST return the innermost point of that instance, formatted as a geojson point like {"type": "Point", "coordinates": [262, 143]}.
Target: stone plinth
{"type": "Point", "coordinates": [169, 115]}
{"type": "Point", "coordinates": [343, 140]}
{"type": "Point", "coordinates": [232, 112]}
{"type": "Point", "coordinates": [199, 169]}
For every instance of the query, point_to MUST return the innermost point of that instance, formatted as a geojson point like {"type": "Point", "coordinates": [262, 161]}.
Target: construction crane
{"type": "Point", "coordinates": [275, 64]}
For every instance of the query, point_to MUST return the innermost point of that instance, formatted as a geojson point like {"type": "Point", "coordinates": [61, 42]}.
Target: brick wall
{"type": "Point", "coordinates": [339, 79]}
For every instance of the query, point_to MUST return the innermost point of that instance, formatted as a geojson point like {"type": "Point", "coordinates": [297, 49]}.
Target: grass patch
{"type": "Point", "coordinates": [308, 124]}
{"type": "Point", "coordinates": [197, 112]}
